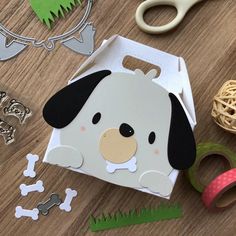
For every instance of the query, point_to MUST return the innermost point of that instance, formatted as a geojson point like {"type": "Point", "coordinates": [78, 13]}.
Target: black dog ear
{"type": "Point", "coordinates": [64, 106]}
{"type": "Point", "coordinates": [181, 145]}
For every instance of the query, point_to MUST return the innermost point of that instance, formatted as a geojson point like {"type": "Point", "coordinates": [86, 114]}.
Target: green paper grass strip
{"type": "Point", "coordinates": [47, 10]}
{"type": "Point", "coordinates": [133, 217]}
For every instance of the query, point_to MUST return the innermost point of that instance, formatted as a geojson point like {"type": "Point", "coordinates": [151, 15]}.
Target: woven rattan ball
{"type": "Point", "coordinates": [224, 107]}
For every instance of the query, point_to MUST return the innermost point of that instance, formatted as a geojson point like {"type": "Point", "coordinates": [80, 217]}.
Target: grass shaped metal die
{"type": "Point", "coordinates": [84, 45]}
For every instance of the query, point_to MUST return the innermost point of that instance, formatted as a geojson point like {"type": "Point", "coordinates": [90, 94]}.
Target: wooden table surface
{"type": "Point", "coordinates": [206, 39]}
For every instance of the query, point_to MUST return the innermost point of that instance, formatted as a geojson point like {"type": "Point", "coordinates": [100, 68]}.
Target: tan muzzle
{"type": "Point", "coordinates": [116, 148]}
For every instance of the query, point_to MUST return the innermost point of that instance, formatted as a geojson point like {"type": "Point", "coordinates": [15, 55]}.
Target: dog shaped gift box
{"type": "Point", "coordinates": [122, 128]}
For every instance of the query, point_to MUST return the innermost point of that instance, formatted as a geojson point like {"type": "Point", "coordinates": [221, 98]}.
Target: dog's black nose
{"type": "Point", "coordinates": [126, 130]}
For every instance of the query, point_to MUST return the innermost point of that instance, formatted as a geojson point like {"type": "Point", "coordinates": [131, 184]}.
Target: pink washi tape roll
{"type": "Point", "coordinates": [221, 192]}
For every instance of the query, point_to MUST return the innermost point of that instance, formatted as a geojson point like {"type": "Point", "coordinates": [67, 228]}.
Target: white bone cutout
{"type": "Point", "coordinates": [66, 205]}
{"type": "Point", "coordinates": [32, 159]}
{"type": "Point", "coordinates": [130, 165]}
{"type": "Point", "coordinates": [38, 187]}
{"type": "Point", "coordinates": [33, 214]}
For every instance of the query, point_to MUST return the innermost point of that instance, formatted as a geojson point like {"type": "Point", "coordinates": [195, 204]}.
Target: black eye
{"type": "Point", "coordinates": [152, 138]}
{"type": "Point", "coordinates": [96, 118]}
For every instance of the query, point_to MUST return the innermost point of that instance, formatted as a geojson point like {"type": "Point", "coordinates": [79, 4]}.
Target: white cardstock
{"type": "Point", "coordinates": [70, 194]}
{"type": "Point", "coordinates": [130, 165]}
{"type": "Point", "coordinates": [37, 187]}
{"type": "Point", "coordinates": [33, 214]}
{"type": "Point", "coordinates": [30, 172]}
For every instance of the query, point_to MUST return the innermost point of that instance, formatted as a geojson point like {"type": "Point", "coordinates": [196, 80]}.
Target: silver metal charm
{"type": "Point", "coordinates": [7, 132]}
{"type": "Point", "coordinates": [3, 97]}
{"type": "Point", "coordinates": [84, 45]}
{"type": "Point", "coordinates": [18, 110]}
{"type": "Point", "coordinates": [46, 206]}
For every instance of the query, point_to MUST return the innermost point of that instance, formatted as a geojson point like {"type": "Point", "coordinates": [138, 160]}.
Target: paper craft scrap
{"type": "Point", "coordinates": [7, 131]}
{"type": "Point", "coordinates": [49, 9]}
{"type": "Point", "coordinates": [57, 157]}
{"type": "Point", "coordinates": [3, 97]}
{"type": "Point", "coordinates": [221, 192]}
{"type": "Point", "coordinates": [32, 159]}
{"type": "Point", "coordinates": [120, 219]}
{"type": "Point", "coordinates": [38, 187]}
{"type": "Point", "coordinates": [122, 128]}
{"type": "Point", "coordinates": [70, 194]}
{"type": "Point", "coordinates": [44, 207]}
{"type": "Point", "coordinates": [206, 150]}
{"type": "Point", "coordinates": [33, 214]}
{"type": "Point", "coordinates": [161, 185]}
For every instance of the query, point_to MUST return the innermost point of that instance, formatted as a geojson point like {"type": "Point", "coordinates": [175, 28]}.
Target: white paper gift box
{"type": "Point", "coordinates": [173, 78]}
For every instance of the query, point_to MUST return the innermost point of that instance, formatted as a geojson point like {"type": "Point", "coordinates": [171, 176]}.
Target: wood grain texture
{"type": "Point", "coordinates": [206, 39]}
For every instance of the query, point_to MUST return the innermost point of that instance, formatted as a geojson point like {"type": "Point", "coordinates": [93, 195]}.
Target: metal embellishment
{"type": "Point", "coordinates": [3, 97]}
{"type": "Point", "coordinates": [8, 51]}
{"type": "Point", "coordinates": [7, 132]}
{"type": "Point", "coordinates": [84, 45]}
{"type": "Point", "coordinates": [18, 110]}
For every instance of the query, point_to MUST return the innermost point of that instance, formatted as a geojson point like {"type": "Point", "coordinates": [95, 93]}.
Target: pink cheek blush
{"type": "Point", "coordinates": [156, 151]}
{"type": "Point", "coordinates": [82, 129]}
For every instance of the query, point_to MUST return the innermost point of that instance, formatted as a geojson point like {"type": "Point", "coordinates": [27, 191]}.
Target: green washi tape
{"type": "Point", "coordinates": [204, 150]}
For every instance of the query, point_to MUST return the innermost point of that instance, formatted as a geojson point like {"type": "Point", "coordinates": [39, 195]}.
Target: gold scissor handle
{"type": "Point", "coordinates": [182, 7]}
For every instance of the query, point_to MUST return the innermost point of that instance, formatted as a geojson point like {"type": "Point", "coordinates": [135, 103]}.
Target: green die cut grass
{"type": "Point", "coordinates": [133, 217]}
{"type": "Point", "coordinates": [46, 10]}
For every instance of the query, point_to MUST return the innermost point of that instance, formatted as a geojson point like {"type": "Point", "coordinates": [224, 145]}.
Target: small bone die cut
{"type": "Point", "coordinates": [32, 159]}
{"type": "Point", "coordinates": [38, 187]}
{"type": "Point", "coordinates": [44, 207]}
{"type": "Point", "coordinates": [66, 205]}
{"type": "Point", "coordinates": [33, 214]}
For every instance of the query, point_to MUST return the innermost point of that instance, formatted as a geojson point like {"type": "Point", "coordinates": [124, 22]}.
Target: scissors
{"type": "Point", "coordinates": [182, 7]}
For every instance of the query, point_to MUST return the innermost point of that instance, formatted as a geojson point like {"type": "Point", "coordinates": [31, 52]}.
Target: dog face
{"type": "Point", "coordinates": [123, 125]}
